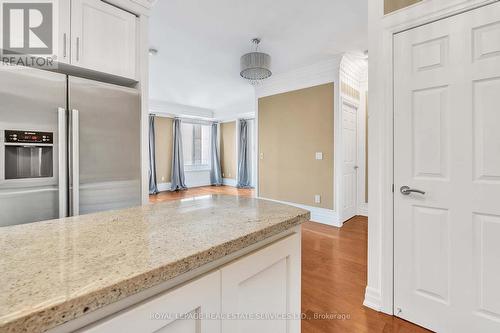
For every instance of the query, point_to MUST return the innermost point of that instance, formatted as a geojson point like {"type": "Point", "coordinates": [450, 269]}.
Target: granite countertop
{"type": "Point", "coordinates": [54, 271]}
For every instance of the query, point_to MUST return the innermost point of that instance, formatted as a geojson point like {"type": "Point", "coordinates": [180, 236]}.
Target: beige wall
{"type": "Point", "coordinates": [293, 126]}
{"type": "Point", "coordinates": [228, 149]}
{"type": "Point", "coordinates": [392, 5]}
{"type": "Point", "coordinates": [163, 148]}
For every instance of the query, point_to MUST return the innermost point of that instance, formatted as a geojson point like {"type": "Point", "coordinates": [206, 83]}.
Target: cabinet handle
{"type": "Point", "coordinates": [64, 45]}
{"type": "Point", "coordinates": [77, 48]}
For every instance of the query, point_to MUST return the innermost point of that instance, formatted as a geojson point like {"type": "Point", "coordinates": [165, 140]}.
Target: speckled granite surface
{"type": "Point", "coordinates": [55, 271]}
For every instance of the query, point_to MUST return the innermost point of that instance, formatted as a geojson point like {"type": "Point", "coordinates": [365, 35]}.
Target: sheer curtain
{"type": "Point", "coordinates": [244, 175]}
{"type": "Point", "coordinates": [153, 186]}
{"type": "Point", "coordinates": [178, 181]}
{"type": "Point", "coordinates": [215, 171]}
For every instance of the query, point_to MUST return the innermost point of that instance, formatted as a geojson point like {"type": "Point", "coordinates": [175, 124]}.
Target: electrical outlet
{"type": "Point", "coordinates": [223, 175]}
{"type": "Point", "coordinates": [317, 198]}
{"type": "Point", "coordinates": [162, 178]}
{"type": "Point", "coordinates": [261, 156]}
{"type": "Point", "coordinates": [319, 155]}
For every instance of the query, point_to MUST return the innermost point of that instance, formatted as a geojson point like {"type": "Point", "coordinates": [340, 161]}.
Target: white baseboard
{"type": "Point", "coordinates": [162, 187]}
{"type": "Point", "coordinates": [229, 182]}
{"type": "Point", "coordinates": [320, 215]}
{"type": "Point", "coordinates": [363, 209]}
{"type": "Point", "coordinates": [197, 184]}
{"type": "Point", "coordinates": [373, 300]}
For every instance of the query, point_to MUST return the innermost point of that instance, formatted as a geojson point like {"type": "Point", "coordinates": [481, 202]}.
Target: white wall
{"type": "Point", "coordinates": [243, 108]}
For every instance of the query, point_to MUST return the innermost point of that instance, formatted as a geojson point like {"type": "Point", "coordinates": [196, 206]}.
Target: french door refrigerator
{"type": "Point", "coordinates": [68, 146]}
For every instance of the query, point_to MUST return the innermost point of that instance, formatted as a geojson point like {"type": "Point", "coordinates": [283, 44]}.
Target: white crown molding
{"type": "Point", "coordinates": [233, 117]}
{"type": "Point", "coordinates": [303, 77]}
{"type": "Point", "coordinates": [354, 71]}
{"type": "Point", "coordinates": [137, 7]}
{"type": "Point", "coordinates": [179, 110]}
{"type": "Point", "coordinates": [145, 3]}
{"type": "Point", "coordinates": [355, 65]}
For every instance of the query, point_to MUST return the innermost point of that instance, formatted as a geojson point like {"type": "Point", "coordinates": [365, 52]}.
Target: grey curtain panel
{"type": "Point", "coordinates": [215, 171]}
{"type": "Point", "coordinates": [243, 157]}
{"type": "Point", "coordinates": [178, 179]}
{"type": "Point", "coordinates": [153, 186]}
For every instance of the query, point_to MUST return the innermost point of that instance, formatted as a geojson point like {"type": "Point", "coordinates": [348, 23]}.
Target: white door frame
{"type": "Point", "coordinates": [346, 100]}
{"type": "Point", "coordinates": [379, 292]}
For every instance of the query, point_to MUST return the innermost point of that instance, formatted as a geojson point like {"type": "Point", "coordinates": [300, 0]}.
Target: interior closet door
{"type": "Point", "coordinates": [349, 161]}
{"type": "Point", "coordinates": [447, 144]}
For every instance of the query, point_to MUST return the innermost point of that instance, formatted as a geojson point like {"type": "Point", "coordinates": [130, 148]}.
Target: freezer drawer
{"type": "Point", "coordinates": [105, 146]}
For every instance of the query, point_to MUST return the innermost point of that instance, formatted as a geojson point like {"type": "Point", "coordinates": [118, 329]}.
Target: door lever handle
{"type": "Point", "coordinates": [406, 190]}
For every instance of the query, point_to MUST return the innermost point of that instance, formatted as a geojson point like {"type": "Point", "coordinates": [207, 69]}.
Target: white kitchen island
{"type": "Point", "coordinates": [207, 264]}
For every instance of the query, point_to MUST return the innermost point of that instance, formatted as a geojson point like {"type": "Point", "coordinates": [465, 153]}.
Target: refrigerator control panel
{"type": "Point", "coordinates": [12, 136]}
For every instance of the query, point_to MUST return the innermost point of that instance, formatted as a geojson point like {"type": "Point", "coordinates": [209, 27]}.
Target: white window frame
{"type": "Point", "coordinates": [198, 167]}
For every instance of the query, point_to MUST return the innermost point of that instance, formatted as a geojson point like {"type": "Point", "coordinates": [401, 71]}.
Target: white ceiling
{"type": "Point", "coordinates": [200, 42]}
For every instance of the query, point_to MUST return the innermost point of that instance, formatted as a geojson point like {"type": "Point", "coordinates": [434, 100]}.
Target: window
{"type": "Point", "coordinates": [196, 146]}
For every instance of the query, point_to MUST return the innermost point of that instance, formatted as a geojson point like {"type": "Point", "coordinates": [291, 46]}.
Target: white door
{"type": "Point", "coordinates": [266, 283]}
{"type": "Point", "coordinates": [349, 161]}
{"type": "Point", "coordinates": [103, 38]}
{"type": "Point", "coordinates": [447, 143]}
{"type": "Point", "coordinates": [191, 308]}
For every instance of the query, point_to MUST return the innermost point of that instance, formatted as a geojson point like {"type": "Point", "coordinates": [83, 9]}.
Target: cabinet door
{"type": "Point", "coordinates": [265, 283]}
{"type": "Point", "coordinates": [103, 38]}
{"type": "Point", "coordinates": [63, 38]}
{"type": "Point", "coordinates": [164, 314]}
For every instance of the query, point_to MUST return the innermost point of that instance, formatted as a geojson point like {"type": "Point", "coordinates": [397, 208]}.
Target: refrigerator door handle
{"type": "Point", "coordinates": [63, 166]}
{"type": "Point", "coordinates": [75, 163]}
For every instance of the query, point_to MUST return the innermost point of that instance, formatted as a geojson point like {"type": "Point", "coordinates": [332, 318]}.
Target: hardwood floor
{"type": "Point", "coordinates": [334, 266]}
{"type": "Point", "coordinates": [199, 191]}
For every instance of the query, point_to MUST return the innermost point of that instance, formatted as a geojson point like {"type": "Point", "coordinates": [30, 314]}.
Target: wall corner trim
{"type": "Point", "coordinates": [363, 209]}
{"type": "Point", "coordinates": [373, 299]}
{"type": "Point", "coordinates": [320, 215]}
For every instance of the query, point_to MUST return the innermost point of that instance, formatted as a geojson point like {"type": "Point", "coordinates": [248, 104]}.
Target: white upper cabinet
{"type": "Point", "coordinates": [63, 40]}
{"type": "Point", "coordinates": [103, 38]}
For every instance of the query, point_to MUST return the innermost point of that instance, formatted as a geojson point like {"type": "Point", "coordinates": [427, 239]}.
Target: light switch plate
{"type": "Point", "coordinates": [317, 198]}
{"type": "Point", "coordinates": [319, 155]}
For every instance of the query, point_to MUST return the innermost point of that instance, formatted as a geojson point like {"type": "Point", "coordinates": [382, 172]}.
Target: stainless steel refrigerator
{"type": "Point", "coordinates": [68, 146]}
